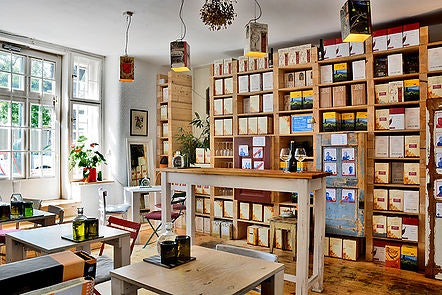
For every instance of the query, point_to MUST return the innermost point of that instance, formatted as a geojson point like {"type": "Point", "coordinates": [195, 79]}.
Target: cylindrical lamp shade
{"type": "Point", "coordinates": [127, 68]}
{"type": "Point", "coordinates": [256, 40]}
{"type": "Point", "coordinates": [355, 21]}
{"type": "Point", "coordinates": [180, 56]}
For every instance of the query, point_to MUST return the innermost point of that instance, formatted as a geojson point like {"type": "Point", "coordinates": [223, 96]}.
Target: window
{"type": "Point", "coordinates": [85, 101]}
{"type": "Point", "coordinates": [28, 114]}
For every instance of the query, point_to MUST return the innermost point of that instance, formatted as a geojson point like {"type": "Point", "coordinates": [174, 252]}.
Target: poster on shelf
{"type": "Point", "coordinates": [348, 154]}
{"type": "Point", "coordinates": [330, 167]}
{"type": "Point", "coordinates": [329, 154]}
{"type": "Point", "coordinates": [330, 194]}
{"type": "Point", "coordinates": [348, 195]}
{"type": "Point", "coordinates": [258, 152]}
{"type": "Point", "coordinates": [348, 169]}
{"type": "Point", "coordinates": [246, 163]}
{"type": "Point", "coordinates": [243, 150]}
{"type": "Point", "coordinates": [438, 119]}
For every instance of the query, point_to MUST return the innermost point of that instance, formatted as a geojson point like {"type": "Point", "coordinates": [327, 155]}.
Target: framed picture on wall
{"type": "Point", "coordinates": [138, 122]}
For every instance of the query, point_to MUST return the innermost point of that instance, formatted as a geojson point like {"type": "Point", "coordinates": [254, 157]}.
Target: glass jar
{"type": "Point", "coordinates": [79, 226]}
{"type": "Point", "coordinates": [166, 235]}
{"type": "Point", "coordinates": [28, 208]}
{"type": "Point", "coordinates": [17, 206]}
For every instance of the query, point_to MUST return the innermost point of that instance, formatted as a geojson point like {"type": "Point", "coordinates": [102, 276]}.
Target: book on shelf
{"type": "Point", "coordinates": [396, 146]}
{"type": "Point", "coordinates": [394, 37]}
{"type": "Point", "coordinates": [396, 200]}
{"type": "Point", "coordinates": [412, 146]}
{"type": "Point", "coordinates": [380, 199]}
{"type": "Point", "coordinates": [435, 87]}
{"type": "Point", "coordinates": [397, 172]}
{"type": "Point", "coordinates": [382, 148]}
{"type": "Point", "coordinates": [411, 90]}
{"type": "Point", "coordinates": [382, 119]}
{"type": "Point", "coordinates": [394, 65]}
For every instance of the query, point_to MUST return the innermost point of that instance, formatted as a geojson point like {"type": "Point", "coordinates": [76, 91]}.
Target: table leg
{"type": "Point", "coordinates": [120, 287]}
{"type": "Point", "coordinates": [274, 284]}
{"type": "Point", "coordinates": [165, 198]}
{"type": "Point", "coordinates": [272, 235]}
{"type": "Point", "coordinates": [302, 240]}
{"type": "Point", "coordinates": [318, 251]}
{"type": "Point", "coordinates": [15, 251]}
{"type": "Point", "coordinates": [293, 237]}
{"type": "Point", "coordinates": [129, 198]}
{"type": "Point", "coordinates": [122, 252]}
{"type": "Point", "coordinates": [190, 212]}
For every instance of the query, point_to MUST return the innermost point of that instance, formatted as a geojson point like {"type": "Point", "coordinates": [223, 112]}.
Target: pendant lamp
{"type": "Point", "coordinates": [256, 37]}
{"type": "Point", "coordinates": [180, 50]}
{"type": "Point", "coordinates": [355, 21]}
{"type": "Point", "coordinates": [127, 63]}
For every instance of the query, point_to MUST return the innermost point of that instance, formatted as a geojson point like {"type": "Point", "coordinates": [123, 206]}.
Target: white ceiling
{"type": "Point", "coordinates": [98, 26]}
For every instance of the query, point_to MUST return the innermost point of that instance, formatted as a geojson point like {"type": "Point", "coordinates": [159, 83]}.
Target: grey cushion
{"type": "Point", "coordinates": [122, 208]}
{"type": "Point", "coordinates": [104, 265]}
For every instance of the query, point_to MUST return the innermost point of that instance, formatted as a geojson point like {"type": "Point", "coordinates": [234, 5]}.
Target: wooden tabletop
{"type": "Point", "coordinates": [213, 272]}
{"type": "Point", "coordinates": [249, 172]}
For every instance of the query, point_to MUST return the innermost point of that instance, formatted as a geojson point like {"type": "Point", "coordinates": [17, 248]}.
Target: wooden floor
{"type": "Point", "coordinates": [345, 277]}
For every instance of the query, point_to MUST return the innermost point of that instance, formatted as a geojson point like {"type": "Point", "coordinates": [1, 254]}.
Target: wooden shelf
{"type": "Point", "coordinates": [397, 50]}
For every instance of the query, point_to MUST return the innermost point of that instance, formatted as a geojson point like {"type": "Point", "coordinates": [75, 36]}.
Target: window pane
{"type": "Point", "coordinates": [17, 114]}
{"type": "Point", "coordinates": [18, 167]}
{"type": "Point", "coordinates": [18, 82]}
{"type": "Point", "coordinates": [36, 85]}
{"type": "Point", "coordinates": [18, 64]}
{"type": "Point", "coordinates": [34, 141]}
{"type": "Point", "coordinates": [18, 139]}
{"type": "Point", "coordinates": [47, 117]}
{"type": "Point", "coordinates": [6, 140]}
{"type": "Point", "coordinates": [5, 62]}
{"type": "Point", "coordinates": [48, 159]}
{"type": "Point", "coordinates": [48, 70]}
{"type": "Point", "coordinates": [5, 164]}
{"type": "Point", "coordinates": [48, 86]}
{"type": "Point", "coordinates": [4, 113]}
{"type": "Point", "coordinates": [86, 121]}
{"type": "Point", "coordinates": [47, 140]}
{"type": "Point", "coordinates": [35, 116]}
{"type": "Point", "coordinates": [4, 80]}
{"type": "Point", "coordinates": [36, 68]}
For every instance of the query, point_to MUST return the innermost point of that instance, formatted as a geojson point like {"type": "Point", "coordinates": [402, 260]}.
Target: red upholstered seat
{"type": "Point", "coordinates": [156, 215]}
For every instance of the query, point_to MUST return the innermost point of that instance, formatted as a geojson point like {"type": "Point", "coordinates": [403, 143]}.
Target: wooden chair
{"type": "Point", "coordinates": [177, 202]}
{"type": "Point", "coordinates": [104, 263]}
{"type": "Point", "coordinates": [57, 210]}
{"type": "Point", "coordinates": [108, 209]}
{"type": "Point", "coordinates": [249, 253]}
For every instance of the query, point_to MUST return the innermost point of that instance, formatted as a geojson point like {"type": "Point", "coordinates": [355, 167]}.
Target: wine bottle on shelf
{"type": "Point", "coordinates": [292, 162]}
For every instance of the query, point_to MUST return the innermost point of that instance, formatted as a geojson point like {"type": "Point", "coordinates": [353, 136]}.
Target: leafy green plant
{"type": "Point", "coordinates": [189, 142]}
{"type": "Point", "coordinates": [85, 155]}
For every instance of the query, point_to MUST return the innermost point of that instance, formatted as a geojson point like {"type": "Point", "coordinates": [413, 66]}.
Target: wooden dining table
{"type": "Point", "coordinates": [211, 273]}
{"type": "Point", "coordinates": [48, 239]}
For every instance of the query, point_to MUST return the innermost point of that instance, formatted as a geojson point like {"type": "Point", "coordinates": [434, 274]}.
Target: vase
{"type": "Point", "coordinates": [89, 174]}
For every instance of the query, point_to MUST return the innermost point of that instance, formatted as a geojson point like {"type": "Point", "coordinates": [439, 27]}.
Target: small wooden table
{"type": "Point", "coordinates": [48, 240]}
{"type": "Point", "coordinates": [213, 272]}
{"type": "Point", "coordinates": [43, 218]}
{"type": "Point", "coordinates": [284, 223]}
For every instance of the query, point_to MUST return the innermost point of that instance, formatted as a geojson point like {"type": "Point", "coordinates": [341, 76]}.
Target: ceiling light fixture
{"type": "Point", "coordinates": [355, 21]}
{"type": "Point", "coordinates": [218, 14]}
{"type": "Point", "coordinates": [180, 49]}
{"type": "Point", "coordinates": [127, 63]}
{"type": "Point", "coordinates": [256, 36]}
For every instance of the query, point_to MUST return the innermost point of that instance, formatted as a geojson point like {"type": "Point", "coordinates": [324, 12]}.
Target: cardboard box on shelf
{"type": "Point", "coordinates": [252, 234]}
{"type": "Point", "coordinates": [380, 199]}
{"type": "Point", "coordinates": [284, 125]}
{"type": "Point", "coordinates": [412, 118]}
{"type": "Point", "coordinates": [264, 125]}
{"type": "Point", "coordinates": [410, 34]}
{"type": "Point", "coordinates": [382, 119]}
{"type": "Point", "coordinates": [289, 80]}
{"type": "Point", "coordinates": [228, 209]}
{"type": "Point", "coordinates": [410, 226]}
{"type": "Point", "coordinates": [199, 224]}
{"type": "Point", "coordinates": [218, 66]}
{"type": "Point", "coordinates": [435, 59]}
{"type": "Point", "coordinates": [412, 146]}
{"type": "Point", "coordinates": [252, 125]}
{"type": "Point", "coordinates": [342, 48]}
{"type": "Point", "coordinates": [392, 255]}
{"type": "Point", "coordinates": [411, 90]}
{"type": "Point", "coordinates": [397, 143]}
{"type": "Point", "coordinates": [325, 97]}
{"type": "Point", "coordinates": [382, 148]}
{"type": "Point", "coordinates": [244, 211]}
{"type": "Point", "coordinates": [381, 172]}
{"type": "Point", "coordinates": [267, 81]}
{"type": "Point", "coordinates": [348, 121]}
{"type": "Point", "coordinates": [199, 205]}
{"type": "Point", "coordinates": [411, 173]}
{"type": "Point", "coordinates": [295, 100]}
{"type": "Point", "coordinates": [394, 37]}
{"type": "Point", "coordinates": [397, 172]}
{"type": "Point", "coordinates": [243, 83]}
{"type": "Point", "coordinates": [358, 94]}
{"type": "Point", "coordinates": [330, 121]}
{"type": "Point", "coordinates": [409, 257]}
{"type": "Point", "coordinates": [361, 121]}
{"type": "Point", "coordinates": [216, 228]}
{"type": "Point", "coordinates": [227, 66]}
{"type": "Point", "coordinates": [228, 105]}
{"type": "Point", "coordinates": [329, 49]}
{"type": "Point", "coordinates": [394, 64]}
{"type": "Point", "coordinates": [341, 72]}
{"type": "Point", "coordinates": [396, 91]}
{"type": "Point", "coordinates": [326, 74]}
{"type": "Point", "coordinates": [218, 107]}
{"type": "Point", "coordinates": [228, 126]}
{"type": "Point", "coordinates": [357, 48]}
{"type": "Point", "coordinates": [206, 225]}
{"type": "Point", "coordinates": [395, 200]}
{"type": "Point", "coordinates": [226, 230]}
{"type": "Point", "coordinates": [379, 226]}
{"type": "Point", "coordinates": [335, 247]}
{"type": "Point", "coordinates": [351, 249]}
{"type": "Point", "coordinates": [307, 99]}
{"type": "Point", "coordinates": [207, 204]}
{"type": "Point", "coordinates": [394, 227]}
{"type": "Point", "coordinates": [255, 82]}
{"type": "Point", "coordinates": [382, 94]}
{"type": "Point", "coordinates": [379, 40]}
{"type": "Point", "coordinates": [255, 104]}
{"type": "Point", "coordinates": [263, 236]}
{"type": "Point", "coordinates": [379, 251]}
{"type": "Point", "coordinates": [228, 85]}
{"type": "Point", "coordinates": [435, 87]}
{"type": "Point", "coordinates": [300, 79]}
{"type": "Point", "coordinates": [267, 103]}
{"type": "Point", "coordinates": [219, 86]}
{"type": "Point", "coordinates": [411, 201]}
{"type": "Point", "coordinates": [218, 208]}
{"type": "Point", "coordinates": [257, 213]}
{"type": "Point", "coordinates": [243, 126]}
{"type": "Point", "coordinates": [396, 117]}
{"type": "Point", "coordinates": [243, 64]}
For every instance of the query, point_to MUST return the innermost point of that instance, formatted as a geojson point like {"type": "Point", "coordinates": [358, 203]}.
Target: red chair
{"type": "Point", "coordinates": [104, 263]}
{"type": "Point", "coordinates": [177, 202]}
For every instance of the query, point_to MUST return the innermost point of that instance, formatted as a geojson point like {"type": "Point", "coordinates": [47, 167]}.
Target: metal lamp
{"type": "Point", "coordinates": [355, 21]}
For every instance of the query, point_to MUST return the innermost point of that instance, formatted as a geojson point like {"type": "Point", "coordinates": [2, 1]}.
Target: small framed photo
{"type": "Point", "coordinates": [438, 140]}
{"type": "Point", "coordinates": [438, 189]}
{"type": "Point", "coordinates": [258, 152]}
{"type": "Point", "coordinates": [348, 169]}
{"type": "Point", "coordinates": [330, 194]}
{"type": "Point", "coordinates": [329, 155]}
{"type": "Point", "coordinates": [438, 160]}
{"type": "Point", "coordinates": [246, 163]}
{"type": "Point", "coordinates": [348, 154]}
{"type": "Point", "coordinates": [438, 119]}
{"type": "Point", "coordinates": [138, 123]}
{"type": "Point", "coordinates": [258, 165]}
{"type": "Point", "coordinates": [243, 150]}
{"type": "Point", "coordinates": [330, 167]}
{"type": "Point", "coordinates": [348, 195]}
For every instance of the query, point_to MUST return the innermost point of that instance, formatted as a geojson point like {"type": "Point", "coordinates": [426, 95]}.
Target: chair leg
{"type": "Point", "coordinates": [155, 232]}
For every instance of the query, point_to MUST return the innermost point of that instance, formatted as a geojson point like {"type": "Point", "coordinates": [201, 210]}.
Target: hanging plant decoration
{"type": "Point", "coordinates": [218, 14]}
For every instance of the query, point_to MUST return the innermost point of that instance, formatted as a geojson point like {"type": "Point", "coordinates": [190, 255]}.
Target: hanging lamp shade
{"type": "Point", "coordinates": [256, 39]}
{"type": "Point", "coordinates": [355, 21]}
{"type": "Point", "coordinates": [180, 56]}
{"type": "Point", "coordinates": [127, 68]}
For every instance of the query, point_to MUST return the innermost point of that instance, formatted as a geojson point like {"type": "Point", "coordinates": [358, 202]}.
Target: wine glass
{"type": "Point", "coordinates": [300, 155]}
{"type": "Point", "coordinates": [285, 156]}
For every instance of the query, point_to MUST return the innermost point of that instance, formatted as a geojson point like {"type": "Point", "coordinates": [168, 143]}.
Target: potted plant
{"type": "Point", "coordinates": [85, 155]}
{"type": "Point", "coordinates": [189, 142]}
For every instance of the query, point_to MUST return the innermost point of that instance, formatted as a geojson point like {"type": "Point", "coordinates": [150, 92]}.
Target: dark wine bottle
{"type": "Point", "coordinates": [292, 162]}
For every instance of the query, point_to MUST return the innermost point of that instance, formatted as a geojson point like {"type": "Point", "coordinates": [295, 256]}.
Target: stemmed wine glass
{"type": "Point", "coordinates": [300, 155]}
{"type": "Point", "coordinates": [285, 156]}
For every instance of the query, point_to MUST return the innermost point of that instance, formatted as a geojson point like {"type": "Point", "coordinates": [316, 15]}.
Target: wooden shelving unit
{"type": "Point", "coordinates": [174, 111]}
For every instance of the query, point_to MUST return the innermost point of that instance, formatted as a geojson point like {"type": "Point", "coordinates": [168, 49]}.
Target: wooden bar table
{"type": "Point", "coordinates": [269, 180]}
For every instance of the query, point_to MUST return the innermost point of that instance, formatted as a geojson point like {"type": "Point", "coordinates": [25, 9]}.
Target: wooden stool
{"type": "Point", "coordinates": [284, 223]}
